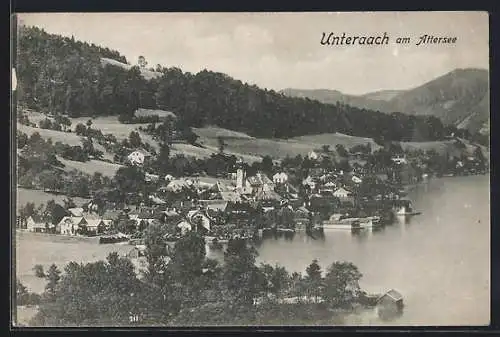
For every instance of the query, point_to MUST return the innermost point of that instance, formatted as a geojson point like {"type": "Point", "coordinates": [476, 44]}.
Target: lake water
{"type": "Point", "coordinates": [439, 260]}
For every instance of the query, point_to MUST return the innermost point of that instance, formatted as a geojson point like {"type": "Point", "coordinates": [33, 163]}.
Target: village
{"type": "Point", "coordinates": [351, 195]}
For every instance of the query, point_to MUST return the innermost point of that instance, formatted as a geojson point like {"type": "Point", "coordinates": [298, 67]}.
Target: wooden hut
{"type": "Point", "coordinates": [390, 305]}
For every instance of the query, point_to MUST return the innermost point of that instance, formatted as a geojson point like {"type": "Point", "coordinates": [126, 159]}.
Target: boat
{"type": "Point", "coordinates": [406, 211]}
{"type": "Point", "coordinates": [337, 221]}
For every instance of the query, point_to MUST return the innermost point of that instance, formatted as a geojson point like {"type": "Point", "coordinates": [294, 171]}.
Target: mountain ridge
{"type": "Point", "coordinates": [457, 96]}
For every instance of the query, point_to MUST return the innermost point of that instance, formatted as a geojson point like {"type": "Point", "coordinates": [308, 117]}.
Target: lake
{"type": "Point", "coordinates": [439, 260]}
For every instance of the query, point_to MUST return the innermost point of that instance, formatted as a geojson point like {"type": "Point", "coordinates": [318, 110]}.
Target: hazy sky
{"type": "Point", "coordinates": [280, 50]}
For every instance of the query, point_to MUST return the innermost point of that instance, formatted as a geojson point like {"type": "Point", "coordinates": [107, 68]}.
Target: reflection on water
{"type": "Point", "coordinates": [438, 260]}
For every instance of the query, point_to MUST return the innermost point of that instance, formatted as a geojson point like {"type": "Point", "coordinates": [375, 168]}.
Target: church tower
{"type": "Point", "coordinates": [240, 174]}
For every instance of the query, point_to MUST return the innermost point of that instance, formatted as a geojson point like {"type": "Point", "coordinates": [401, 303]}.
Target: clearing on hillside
{"type": "Point", "coordinates": [92, 166]}
{"type": "Point", "coordinates": [25, 195]}
{"type": "Point", "coordinates": [146, 73]}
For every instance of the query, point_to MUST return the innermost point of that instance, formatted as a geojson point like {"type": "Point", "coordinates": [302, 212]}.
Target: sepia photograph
{"type": "Point", "coordinates": [203, 169]}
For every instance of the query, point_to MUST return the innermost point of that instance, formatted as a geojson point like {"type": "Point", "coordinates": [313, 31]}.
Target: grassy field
{"type": "Point", "coordinates": [46, 249]}
{"type": "Point", "coordinates": [147, 74]}
{"type": "Point", "coordinates": [69, 138]}
{"type": "Point", "coordinates": [24, 315]}
{"type": "Point", "coordinates": [333, 139]}
{"type": "Point", "coordinates": [25, 195]}
{"type": "Point", "coordinates": [91, 166]}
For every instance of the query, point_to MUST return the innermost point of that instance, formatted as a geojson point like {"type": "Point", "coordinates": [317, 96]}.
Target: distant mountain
{"type": "Point", "coordinates": [460, 97]}
{"type": "Point", "coordinates": [334, 96]}
{"type": "Point", "coordinates": [382, 95]}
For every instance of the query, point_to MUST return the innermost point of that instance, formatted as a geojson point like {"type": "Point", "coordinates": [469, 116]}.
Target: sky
{"type": "Point", "coordinates": [283, 50]}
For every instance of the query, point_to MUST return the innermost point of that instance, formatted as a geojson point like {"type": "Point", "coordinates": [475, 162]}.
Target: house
{"type": "Point", "coordinates": [390, 304]}
{"type": "Point", "coordinates": [399, 160]}
{"type": "Point", "coordinates": [312, 155]}
{"type": "Point", "coordinates": [110, 216]}
{"type": "Point", "coordinates": [184, 226]}
{"type": "Point", "coordinates": [35, 223]}
{"type": "Point", "coordinates": [71, 225]}
{"type": "Point", "coordinates": [148, 177]}
{"type": "Point", "coordinates": [280, 178]}
{"type": "Point", "coordinates": [342, 193]}
{"type": "Point", "coordinates": [198, 217]}
{"type": "Point", "coordinates": [256, 183]}
{"type": "Point", "coordinates": [93, 226]}
{"type": "Point", "coordinates": [310, 182]}
{"type": "Point", "coordinates": [356, 179]}
{"type": "Point", "coordinates": [138, 157]}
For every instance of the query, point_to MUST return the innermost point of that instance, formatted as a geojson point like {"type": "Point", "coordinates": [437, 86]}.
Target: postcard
{"type": "Point", "coordinates": [251, 169]}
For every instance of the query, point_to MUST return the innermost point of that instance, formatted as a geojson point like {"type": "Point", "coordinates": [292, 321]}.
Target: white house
{"type": "Point", "coordinates": [309, 181]}
{"type": "Point", "coordinates": [399, 160]}
{"type": "Point", "coordinates": [312, 155]}
{"type": "Point", "coordinates": [34, 223]}
{"type": "Point", "coordinates": [357, 179]}
{"type": "Point", "coordinates": [69, 225]}
{"type": "Point", "coordinates": [184, 226]}
{"type": "Point", "coordinates": [342, 193]}
{"type": "Point", "coordinates": [280, 178]}
{"type": "Point", "coordinates": [136, 158]}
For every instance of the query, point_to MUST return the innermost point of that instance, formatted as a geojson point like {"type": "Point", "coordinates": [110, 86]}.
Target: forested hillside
{"type": "Point", "coordinates": [60, 75]}
{"type": "Point", "coordinates": [460, 98]}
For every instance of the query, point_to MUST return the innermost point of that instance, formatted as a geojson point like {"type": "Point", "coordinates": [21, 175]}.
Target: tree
{"type": "Point", "coordinates": [313, 279]}
{"type": "Point", "coordinates": [81, 129]}
{"type": "Point", "coordinates": [241, 276]}
{"type": "Point", "coordinates": [142, 62]}
{"type": "Point", "coordinates": [135, 139]}
{"type": "Point", "coordinates": [69, 203]}
{"type": "Point", "coordinates": [53, 276]}
{"type": "Point", "coordinates": [89, 124]}
{"type": "Point", "coordinates": [341, 151]}
{"type": "Point", "coordinates": [54, 212]}
{"type": "Point", "coordinates": [27, 211]}
{"type": "Point", "coordinates": [325, 148]}
{"type": "Point", "coordinates": [342, 284]}
{"type": "Point", "coordinates": [38, 269]}
{"type": "Point", "coordinates": [221, 144]}
{"type": "Point", "coordinates": [277, 279]}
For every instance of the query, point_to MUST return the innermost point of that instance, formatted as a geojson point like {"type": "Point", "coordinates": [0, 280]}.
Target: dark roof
{"type": "Point", "coordinates": [37, 218]}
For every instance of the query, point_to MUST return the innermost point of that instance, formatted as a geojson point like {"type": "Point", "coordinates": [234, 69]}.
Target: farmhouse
{"type": "Point", "coordinates": [138, 157]}
{"type": "Point", "coordinates": [35, 223]}
{"type": "Point", "coordinates": [280, 178]}
{"type": "Point", "coordinates": [71, 225]}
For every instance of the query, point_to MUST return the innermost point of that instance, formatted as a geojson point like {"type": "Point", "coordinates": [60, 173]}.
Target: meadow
{"type": "Point", "coordinates": [38, 197]}
{"type": "Point", "coordinates": [92, 166]}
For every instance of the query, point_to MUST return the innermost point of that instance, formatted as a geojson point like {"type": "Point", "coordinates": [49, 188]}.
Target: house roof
{"type": "Point", "coordinates": [341, 190]}
{"type": "Point", "coordinates": [267, 195]}
{"type": "Point", "coordinates": [72, 219]}
{"type": "Point", "coordinates": [230, 196]}
{"type": "Point", "coordinates": [94, 222]}
{"type": "Point", "coordinates": [36, 218]}
{"type": "Point", "coordinates": [259, 179]}
{"type": "Point", "coordinates": [111, 215]}
{"type": "Point", "coordinates": [395, 295]}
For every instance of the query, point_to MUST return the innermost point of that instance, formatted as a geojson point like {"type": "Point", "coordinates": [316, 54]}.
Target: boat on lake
{"type": "Point", "coordinates": [404, 208]}
{"type": "Point", "coordinates": [338, 221]}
